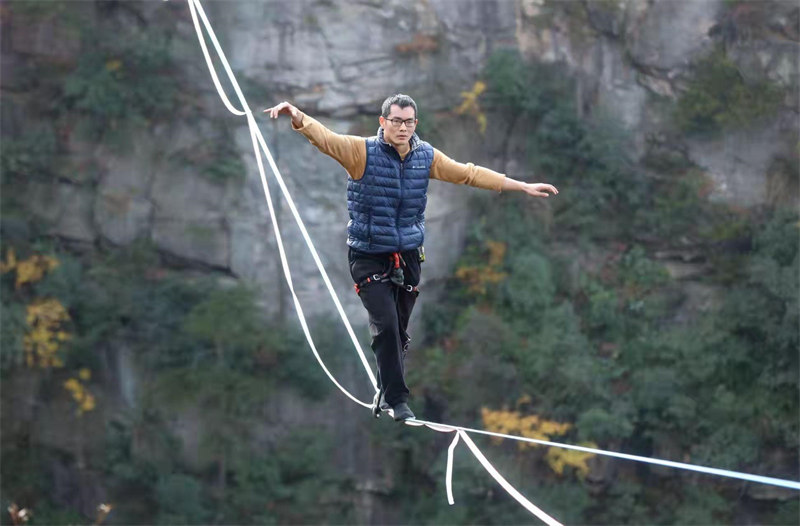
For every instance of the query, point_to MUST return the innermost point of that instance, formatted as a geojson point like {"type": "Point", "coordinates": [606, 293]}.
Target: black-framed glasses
{"type": "Point", "coordinates": [410, 123]}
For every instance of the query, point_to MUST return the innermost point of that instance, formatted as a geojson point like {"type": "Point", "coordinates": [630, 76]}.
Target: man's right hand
{"type": "Point", "coordinates": [286, 108]}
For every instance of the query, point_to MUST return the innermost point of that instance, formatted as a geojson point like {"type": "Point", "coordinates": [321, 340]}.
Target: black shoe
{"type": "Point", "coordinates": [402, 412]}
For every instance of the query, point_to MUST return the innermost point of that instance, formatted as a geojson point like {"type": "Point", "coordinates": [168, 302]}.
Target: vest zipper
{"type": "Point", "coordinates": [400, 204]}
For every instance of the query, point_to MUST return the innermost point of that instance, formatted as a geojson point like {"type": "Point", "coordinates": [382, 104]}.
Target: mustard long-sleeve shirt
{"type": "Point", "coordinates": [351, 152]}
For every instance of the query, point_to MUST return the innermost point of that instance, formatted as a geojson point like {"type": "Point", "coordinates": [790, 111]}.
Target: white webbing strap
{"type": "Point", "coordinates": [791, 484]}
{"type": "Point", "coordinates": [211, 68]}
{"type": "Point", "coordinates": [258, 141]}
{"type": "Point", "coordinates": [461, 433]}
{"type": "Point", "coordinates": [528, 505]}
{"type": "Point", "coordinates": [449, 474]}
{"type": "Point", "coordinates": [286, 271]}
{"type": "Point", "coordinates": [196, 8]}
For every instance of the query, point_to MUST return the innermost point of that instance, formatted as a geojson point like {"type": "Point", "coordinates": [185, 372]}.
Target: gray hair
{"type": "Point", "coordinates": [404, 101]}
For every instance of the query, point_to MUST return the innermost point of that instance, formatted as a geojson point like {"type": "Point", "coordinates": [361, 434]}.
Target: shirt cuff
{"type": "Point", "coordinates": [305, 121]}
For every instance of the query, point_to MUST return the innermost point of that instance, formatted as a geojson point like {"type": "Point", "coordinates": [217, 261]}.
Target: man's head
{"type": "Point", "coordinates": [398, 119]}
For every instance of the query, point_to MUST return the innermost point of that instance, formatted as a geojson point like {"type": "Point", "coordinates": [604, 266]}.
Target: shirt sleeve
{"type": "Point", "coordinates": [444, 168]}
{"type": "Point", "coordinates": [349, 150]}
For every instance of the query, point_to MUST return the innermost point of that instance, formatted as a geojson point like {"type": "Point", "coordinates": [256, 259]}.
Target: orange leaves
{"type": "Point", "coordinates": [478, 277]}
{"type": "Point", "coordinates": [536, 427]}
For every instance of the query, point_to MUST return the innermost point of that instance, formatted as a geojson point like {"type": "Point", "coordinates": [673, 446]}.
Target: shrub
{"type": "Point", "coordinates": [122, 80]}
{"type": "Point", "coordinates": [718, 97]}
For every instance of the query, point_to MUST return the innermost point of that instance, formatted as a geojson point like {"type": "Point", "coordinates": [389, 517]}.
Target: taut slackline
{"type": "Point", "coordinates": [461, 433]}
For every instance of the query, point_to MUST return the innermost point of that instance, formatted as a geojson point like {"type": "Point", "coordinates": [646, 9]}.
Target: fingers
{"type": "Point", "coordinates": [277, 110]}
{"type": "Point", "coordinates": [540, 189]}
{"type": "Point", "coordinates": [546, 187]}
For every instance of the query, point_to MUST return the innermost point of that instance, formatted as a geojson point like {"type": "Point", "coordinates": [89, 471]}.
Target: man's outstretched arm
{"type": "Point", "coordinates": [348, 150]}
{"type": "Point", "coordinates": [446, 169]}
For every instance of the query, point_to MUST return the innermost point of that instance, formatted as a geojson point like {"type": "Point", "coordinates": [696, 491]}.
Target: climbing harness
{"type": "Point", "coordinates": [461, 433]}
{"type": "Point", "coordinates": [394, 275]}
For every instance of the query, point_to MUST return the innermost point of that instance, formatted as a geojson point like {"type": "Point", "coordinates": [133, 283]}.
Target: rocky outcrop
{"type": "Point", "coordinates": [338, 62]}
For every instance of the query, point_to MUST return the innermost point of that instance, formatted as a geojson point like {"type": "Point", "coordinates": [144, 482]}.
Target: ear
{"type": "Point", "coordinates": [382, 121]}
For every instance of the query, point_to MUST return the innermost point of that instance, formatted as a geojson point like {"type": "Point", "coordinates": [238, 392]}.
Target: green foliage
{"type": "Point", "coordinates": [786, 513]}
{"type": "Point", "coordinates": [311, 486]}
{"type": "Point", "coordinates": [624, 503]}
{"type": "Point", "coordinates": [30, 155]}
{"type": "Point", "coordinates": [515, 85]}
{"type": "Point", "coordinates": [567, 501]}
{"type": "Point", "coordinates": [529, 288]}
{"type": "Point", "coordinates": [68, 17]}
{"type": "Point", "coordinates": [229, 321]}
{"type": "Point", "coordinates": [719, 389]}
{"type": "Point", "coordinates": [122, 80]}
{"type": "Point", "coordinates": [14, 328]}
{"type": "Point", "coordinates": [679, 207]}
{"type": "Point", "coordinates": [719, 97]}
{"type": "Point", "coordinates": [589, 159]}
{"type": "Point", "coordinates": [599, 425]}
{"type": "Point", "coordinates": [702, 506]}
{"type": "Point", "coordinates": [180, 500]}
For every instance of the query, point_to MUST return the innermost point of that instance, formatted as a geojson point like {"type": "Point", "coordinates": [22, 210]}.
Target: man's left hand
{"type": "Point", "coordinates": [538, 189]}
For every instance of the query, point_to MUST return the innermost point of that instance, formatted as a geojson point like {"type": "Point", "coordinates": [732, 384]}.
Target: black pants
{"type": "Point", "coordinates": [389, 309]}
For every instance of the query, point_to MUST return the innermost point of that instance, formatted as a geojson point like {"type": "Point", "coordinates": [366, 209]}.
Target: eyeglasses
{"type": "Point", "coordinates": [410, 123]}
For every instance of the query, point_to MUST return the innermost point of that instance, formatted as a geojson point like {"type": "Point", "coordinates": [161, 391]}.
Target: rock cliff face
{"type": "Point", "coordinates": [337, 61]}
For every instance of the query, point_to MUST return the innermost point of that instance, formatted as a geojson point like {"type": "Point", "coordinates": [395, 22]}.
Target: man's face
{"type": "Point", "coordinates": [395, 132]}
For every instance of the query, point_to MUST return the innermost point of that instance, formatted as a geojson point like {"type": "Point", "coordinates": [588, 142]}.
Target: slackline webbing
{"type": "Point", "coordinates": [260, 146]}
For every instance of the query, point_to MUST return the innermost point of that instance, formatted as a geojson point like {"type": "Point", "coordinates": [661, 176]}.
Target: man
{"type": "Point", "coordinates": [386, 197]}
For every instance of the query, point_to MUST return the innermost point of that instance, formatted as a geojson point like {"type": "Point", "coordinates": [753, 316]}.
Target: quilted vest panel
{"type": "Point", "coordinates": [387, 205]}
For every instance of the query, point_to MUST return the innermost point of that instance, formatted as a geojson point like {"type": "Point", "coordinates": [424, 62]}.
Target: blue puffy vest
{"type": "Point", "coordinates": [387, 205]}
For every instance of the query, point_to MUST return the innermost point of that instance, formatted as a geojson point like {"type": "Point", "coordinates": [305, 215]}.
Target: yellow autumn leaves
{"type": "Point", "coordinates": [46, 319]}
{"type": "Point", "coordinates": [469, 104]}
{"type": "Point", "coordinates": [533, 426]}
{"type": "Point", "coordinates": [80, 394]}
{"type": "Point", "coordinates": [30, 270]}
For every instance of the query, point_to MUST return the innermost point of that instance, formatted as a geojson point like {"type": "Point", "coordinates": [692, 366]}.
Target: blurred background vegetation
{"type": "Point", "coordinates": [526, 337]}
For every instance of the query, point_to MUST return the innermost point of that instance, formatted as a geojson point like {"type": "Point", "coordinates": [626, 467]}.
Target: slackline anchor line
{"type": "Point", "coordinates": [460, 433]}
